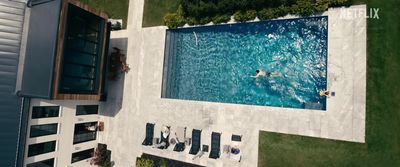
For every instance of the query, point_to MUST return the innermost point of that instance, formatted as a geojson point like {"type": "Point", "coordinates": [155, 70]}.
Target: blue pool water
{"type": "Point", "coordinates": [219, 67]}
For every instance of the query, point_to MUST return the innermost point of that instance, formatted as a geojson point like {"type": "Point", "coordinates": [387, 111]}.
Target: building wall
{"type": "Point", "coordinates": [11, 25]}
{"type": "Point", "coordinates": [66, 124]}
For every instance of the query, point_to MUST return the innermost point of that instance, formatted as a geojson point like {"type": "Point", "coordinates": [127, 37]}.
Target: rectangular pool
{"type": "Point", "coordinates": [215, 63]}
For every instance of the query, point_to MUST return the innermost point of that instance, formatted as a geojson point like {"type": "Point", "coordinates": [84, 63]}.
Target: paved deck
{"type": "Point", "coordinates": [136, 98]}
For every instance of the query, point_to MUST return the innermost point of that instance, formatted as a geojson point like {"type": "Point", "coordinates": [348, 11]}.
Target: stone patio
{"type": "Point", "coordinates": [135, 98]}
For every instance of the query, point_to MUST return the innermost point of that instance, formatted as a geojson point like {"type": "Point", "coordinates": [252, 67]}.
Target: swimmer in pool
{"type": "Point", "coordinates": [261, 73]}
{"type": "Point", "coordinates": [324, 93]}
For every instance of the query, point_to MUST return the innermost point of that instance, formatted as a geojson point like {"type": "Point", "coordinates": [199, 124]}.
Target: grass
{"type": "Point", "coordinates": [116, 9]}
{"type": "Point", "coordinates": [154, 11]}
{"type": "Point", "coordinates": [382, 147]}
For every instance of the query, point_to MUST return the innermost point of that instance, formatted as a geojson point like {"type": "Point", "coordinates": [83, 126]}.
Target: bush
{"type": "Point", "coordinates": [174, 20]}
{"type": "Point", "coordinates": [220, 19]}
{"type": "Point", "coordinates": [142, 162]}
{"type": "Point", "coordinates": [321, 5]}
{"type": "Point", "coordinates": [266, 14]}
{"type": "Point", "coordinates": [303, 8]}
{"type": "Point", "coordinates": [335, 3]}
{"type": "Point", "coordinates": [163, 163]}
{"type": "Point", "coordinates": [192, 21]}
{"type": "Point", "coordinates": [245, 16]}
{"type": "Point", "coordinates": [205, 20]}
{"type": "Point", "coordinates": [282, 11]}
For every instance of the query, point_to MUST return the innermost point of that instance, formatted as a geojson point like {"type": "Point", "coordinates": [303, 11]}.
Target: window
{"type": "Point", "coordinates": [85, 132]}
{"type": "Point", "coordinates": [82, 155]}
{"type": "Point", "coordinates": [82, 52]}
{"type": "Point", "coordinates": [87, 109]}
{"type": "Point", "coordinates": [45, 111]}
{"type": "Point", "coordinates": [43, 130]}
{"type": "Point", "coordinates": [41, 148]}
{"type": "Point", "coordinates": [45, 163]}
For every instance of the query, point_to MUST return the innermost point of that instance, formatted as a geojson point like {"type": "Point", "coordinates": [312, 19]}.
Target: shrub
{"type": "Point", "coordinates": [192, 21]}
{"type": "Point", "coordinates": [251, 14]}
{"type": "Point", "coordinates": [174, 20]}
{"type": "Point", "coordinates": [302, 7]}
{"type": "Point", "coordinates": [163, 163]}
{"type": "Point", "coordinates": [205, 20]}
{"type": "Point", "coordinates": [321, 5]}
{"type": "Point", "coordinates": [334, 3]}
{"type": "Point", "coordinates": [142, 162]}
{"type": "Point", "coordinates": [220, 19]}
{"type": "Point", "coordinates": [282, 11]}
{"type": "Point", "coordinates": [266, 14]}
{"type": "Point", "coordinates": [245, 16]}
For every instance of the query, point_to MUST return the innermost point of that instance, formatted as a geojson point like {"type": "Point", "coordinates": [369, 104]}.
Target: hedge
{"type": "Point", "coordinates": [221, 19]}
{"type": "Point", "coordinates": [303, 8]}
{"type": "Point", "coordinates": [245, 16]}
{"type": "Point", "coordinates": [194, 12]}
{"type": "Point", "coordinates": [174, 20]}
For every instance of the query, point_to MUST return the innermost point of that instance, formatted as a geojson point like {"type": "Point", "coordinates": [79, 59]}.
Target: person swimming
{"type": "Point", "coordinates": [261, 73]}
{"type": "Point", "coordinates": [323, 93]}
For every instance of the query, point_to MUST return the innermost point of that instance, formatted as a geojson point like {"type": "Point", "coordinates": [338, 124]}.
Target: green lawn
{"type": "Point", "coordinates": [116, 9]}
{"type": "Point", "coordinates": [382, 147]}
{"type": "Point", "coordinates": [154, 11]}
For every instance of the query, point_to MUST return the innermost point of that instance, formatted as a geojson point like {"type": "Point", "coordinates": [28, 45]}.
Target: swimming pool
{"type": "Point", "coordinates": [215, 63]}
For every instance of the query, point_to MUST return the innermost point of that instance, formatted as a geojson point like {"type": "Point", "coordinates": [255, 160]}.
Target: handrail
{"type": "Point", "coordinates": [32, 3]}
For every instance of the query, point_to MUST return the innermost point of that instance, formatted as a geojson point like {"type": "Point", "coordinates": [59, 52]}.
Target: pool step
{"type": "Point", "coordinates": [172, 65]}
{"type": "Point", "coordinates": [314, 106]}
{"type": "Point", "coordinates": [169, 65]}
{"type": "Point", "coordinates": [165, 70]}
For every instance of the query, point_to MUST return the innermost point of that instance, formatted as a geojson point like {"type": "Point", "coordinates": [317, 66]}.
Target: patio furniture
{"type": "Point", "coordinates": [148, 140]}
{"type": "Point", "coordinates": [172, 141]}
{"type": "Point", "coordinates": [180, 138]}
{"type": "Point", "coordinates": [101, 126]}
{"type": "Point", "coordinates": [215, 145]}
{"type": "Point", "coordinates": [188, 141]}
{"type": "Point", "coordinates": [226, 149]}
{"type": "Point", "coordinates": [235, 152]}
{"type": "Point", "coordinates": [204, 149]}
{"type": "Point", "coordinates": [196, 137]}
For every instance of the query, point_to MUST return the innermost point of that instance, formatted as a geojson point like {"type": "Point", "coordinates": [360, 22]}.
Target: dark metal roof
{"type": "Point", "coordinates": [11, 23]}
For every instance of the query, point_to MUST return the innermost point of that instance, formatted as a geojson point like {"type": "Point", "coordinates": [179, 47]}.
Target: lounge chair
{"type": "Point", "coordinates": [180, 138]}
{"type": "Point", "coordinates": [148, 140]}
{"type": "Point", "coordinates": [196, 137]}
{"type": "Point", "coordinates": [215, 145]}
{"type": "Point", "coordinates": [235, 152]}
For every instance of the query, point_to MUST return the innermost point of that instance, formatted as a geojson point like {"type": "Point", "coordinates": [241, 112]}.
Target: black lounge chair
{"type": "Point", "coordinates": [196, 137]}
{"type": "Point", "coordinates": [215, 145]}
{"type": "Point", "coordinates": [148, 140]}
{"type": "Point", "coordinates": [179, 147]}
